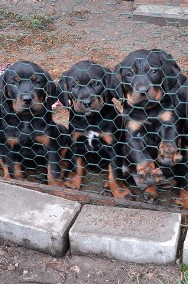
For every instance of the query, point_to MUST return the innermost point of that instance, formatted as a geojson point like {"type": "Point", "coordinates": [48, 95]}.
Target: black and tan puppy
{"type": "Point", "coordinates": [29, 138]}
{"type": "Point", "coordinates": [143, 81]}
{"type": "Point", "coordinates": [94, 122]}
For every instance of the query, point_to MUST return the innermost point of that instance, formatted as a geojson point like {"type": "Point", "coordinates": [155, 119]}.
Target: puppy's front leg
{"type": "Point", "coordinates": [146, 171]}
{"type": "Point", "coordinates": [168, 153]}
{"type": "Point", "coordinates": [75, 180]}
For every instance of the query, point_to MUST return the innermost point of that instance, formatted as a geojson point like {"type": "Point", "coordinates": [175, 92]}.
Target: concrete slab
{"type": "Point", "coordinates": [185, 250]}
{"type": "Point", "coordinates": [162, 2]}
{"type": "Point", "coordinates": [126, 234]}
{"type": "Point", "coordinates": [36, 220]}
{"type": "Point", "coordinates": [162, 14]}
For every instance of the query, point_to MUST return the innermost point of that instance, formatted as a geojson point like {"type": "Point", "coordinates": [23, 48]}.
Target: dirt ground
{"type": "Point", "coordinates": [56, 34]}
{"type": "Point", "coordinates": [20, 265]}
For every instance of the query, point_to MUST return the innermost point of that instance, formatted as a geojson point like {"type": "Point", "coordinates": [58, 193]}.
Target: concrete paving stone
{"type": "Point", "coordinates": [162, 2]}
{"type": "Point", "coordinates": [126, 234]}
{"type": "Point", "coordinates": [162, 14]}
{"type": "Point", "coordinates": [185, 250]}
{"type": "Point", "coordinates": [36, 220]}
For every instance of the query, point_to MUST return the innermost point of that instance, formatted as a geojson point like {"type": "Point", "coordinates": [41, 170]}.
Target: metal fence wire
{"type": "Point", "coordinates": [94, 100]}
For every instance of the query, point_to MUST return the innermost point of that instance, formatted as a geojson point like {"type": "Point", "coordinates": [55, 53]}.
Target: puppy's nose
{"type": "Point", "coordinates": [27, 98]}
{"type": "Point", "coordinates": [142, 90]}
{"type": "Point", "coordinates": [87, 103]}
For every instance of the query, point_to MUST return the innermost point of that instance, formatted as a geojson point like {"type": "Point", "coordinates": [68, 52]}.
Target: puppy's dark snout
{"type": "Point", "coordinates": [87, 103]}
{"type": "Point", "coordinates": [142, 90]}
{"type": "Point", "coordinates": [27, 98]}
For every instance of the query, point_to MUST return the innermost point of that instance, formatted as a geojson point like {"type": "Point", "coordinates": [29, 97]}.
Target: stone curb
{"type": "Point", "coordinates": [47, 223]}
{"type": "Point", "coordinates": [126, 234]}
{"type": "Point", "coordinates": [162, 14]}
{"type": "Point", "coordinates": [36, 220]}
{"type": "Point", "coordinates": [185, 250]}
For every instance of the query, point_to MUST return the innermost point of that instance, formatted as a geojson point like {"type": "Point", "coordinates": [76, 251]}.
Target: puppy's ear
{"type": "Point", "coordinates": [2, 88]}
{"type": "Point", "coordinates": [3, 96]}
{"type": "Point", "coordinates": [106, 81]}
{"type": "Point", "coordinates": [63, 94]}
{"type": "Point", "coordinates": [174, 77]}
{"type": "Point", "coordinates": [115, 85]}
{"type": "Point", "coordinates": [2, 82]}
{"type": "Point", "coordinates": [51, 89]}
{"type": "Point", "coordinates": [107, 76]}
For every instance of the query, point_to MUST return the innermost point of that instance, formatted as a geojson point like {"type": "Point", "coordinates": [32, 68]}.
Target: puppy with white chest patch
{"type": "Point", "coordinates": [94, 123]}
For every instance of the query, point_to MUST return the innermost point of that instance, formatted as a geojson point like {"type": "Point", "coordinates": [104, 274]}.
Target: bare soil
{"type": "Point", "coordinates": [20, 265]}
{"type": "Point", "coordinates": [56, 34]}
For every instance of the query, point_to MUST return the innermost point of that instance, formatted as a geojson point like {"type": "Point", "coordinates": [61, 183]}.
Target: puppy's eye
{"type": "Point", "coordinates": [74, 86]}
{"type": "Point", "coordinates": [154, 71]}
{"type": "Point", "coordinates": [13, 82]}
{"type": "Point", "coordinates": [130, 74]}
{"type": "Point", "coordinates": [38, 81]}
{"type": "Point", "coordinates": [96, 83]}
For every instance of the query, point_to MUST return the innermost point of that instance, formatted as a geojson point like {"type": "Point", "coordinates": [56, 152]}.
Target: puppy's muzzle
{"type": "Point", "coordinates": [143, 93]}
{"type": "Point", "coordinates": [27, 99]}
{"type": "Point", "coordinates": [142, 90]}
{"type": "Point", "coordinates": [87, 103]}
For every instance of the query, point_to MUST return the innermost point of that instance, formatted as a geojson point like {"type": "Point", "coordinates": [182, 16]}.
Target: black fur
{"type": "Point", "coordinates": [143, 82]}
{"type": "Point", "coordinates": [94, 122]}
{"type": "Point", "coordinates": [29, 137]}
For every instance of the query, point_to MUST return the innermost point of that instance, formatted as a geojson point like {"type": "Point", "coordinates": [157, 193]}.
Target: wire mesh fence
{"type": "Point", "coordinates": [94, 100]}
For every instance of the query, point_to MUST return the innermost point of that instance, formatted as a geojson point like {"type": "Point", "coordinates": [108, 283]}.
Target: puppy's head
{"type": "Point", "coordinates": [27, 88]}
{"type": "Point", "coordinates": [83, 87]}
{"type": "Point", "coordinates": [144, 77]}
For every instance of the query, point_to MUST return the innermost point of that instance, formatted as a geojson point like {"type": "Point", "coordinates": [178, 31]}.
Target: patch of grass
{"type": "Point", "coordinates": [185, 272]}
{"type": "Point", "coordinates": [184, 31]}
{"type": "Point", "coordinates": [34, 21]}
{"type": "Point", "coordinates": [40, 22]}
{"type": "Point", "coordinates": [5, 14]}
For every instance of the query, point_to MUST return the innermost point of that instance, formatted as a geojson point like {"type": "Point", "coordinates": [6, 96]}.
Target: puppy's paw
{"type": "Point", "coordinates": [147, 174]}
{"type": "Point", "coordinates": [169, 154]}
{"type": "Point", "coordinates": [151, 194]}
{"type": "Point", "coordinates": [119, 189]}
{"type": "Point", "coordinates": [183, 199]}
{"type": "Point", "coordinates": [73, 183]}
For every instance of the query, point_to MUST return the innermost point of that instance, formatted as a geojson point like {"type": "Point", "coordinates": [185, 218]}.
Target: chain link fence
{"type": "Point", "coordinates": [94, 100]}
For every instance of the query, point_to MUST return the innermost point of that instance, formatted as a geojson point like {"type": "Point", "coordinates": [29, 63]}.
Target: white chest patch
{"type": "Point", "coordinates": [124, 169]}
{"type": "Point", "coordinates": [91, 135]}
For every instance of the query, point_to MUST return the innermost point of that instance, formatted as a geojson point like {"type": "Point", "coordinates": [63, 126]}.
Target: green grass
{"type": "Point", "coordinates": [40, 22]}
{"type": "Point", "coordinates": [185, 271]}
{"type": "Point", "coordinates": [34, 21]}
{"type": "Point", "coordinates": [184, 31]}
{"type": "Point", "coordinates": [8, 15]}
